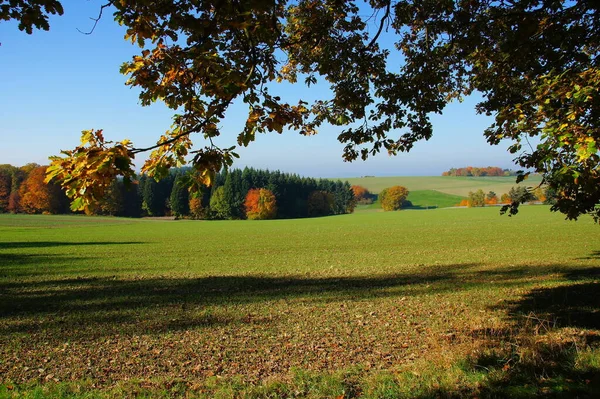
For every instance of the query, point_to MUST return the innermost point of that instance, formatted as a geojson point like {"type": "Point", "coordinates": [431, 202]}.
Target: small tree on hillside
{"type": "Point", "coordinates": [491, 198]}
{"type": "Point", "coordinates": [392, 198]}
{"type": "Point", "coordinates": [362, 195]}
{"type": "Point", "coordinates": [520, 194]}
{"type": "Point", "coordinates": [476, 198]}
{"type": "Point", "coordinates": [260, 204]}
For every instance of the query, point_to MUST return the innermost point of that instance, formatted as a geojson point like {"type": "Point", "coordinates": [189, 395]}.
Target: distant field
{"type": "Point", "coordinates": [422, 199]}
{"type": "Point", "coordinates": [450, 185]}
{"type": "Point", "coordinates": [439, 303]}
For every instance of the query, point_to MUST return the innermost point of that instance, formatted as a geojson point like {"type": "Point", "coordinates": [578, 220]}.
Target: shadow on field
{"type": "Point", "coordinates": [536, 357]}
{"type": "Point", "coordinates": [103, 306]}
{"type": "Point", "coordinates": [49, 244]}
{"type": "Point", "coordinates": [421, 207]}
{"type": "Point", "coordinates": [593, 255]}
{"type": "Point", "coordinates": [10, 262]}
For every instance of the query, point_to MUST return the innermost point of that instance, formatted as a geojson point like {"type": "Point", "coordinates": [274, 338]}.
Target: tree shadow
{"type": "Point", "coordinates": [593, 255]}
{"type": "Point", "coordinates": [420, 207]}
{"type": "Point", "coordinates": [536, 357]}
{"type": "Point", "coordinates": [50, 244]}
{"type": "Point", "coordinates": [576, 305]}
{"type": "Point", "coordinates": [107, 305]}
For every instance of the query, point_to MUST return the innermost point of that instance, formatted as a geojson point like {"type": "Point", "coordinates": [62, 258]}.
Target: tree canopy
{"type": "Point", "coordinates": [534, 62]}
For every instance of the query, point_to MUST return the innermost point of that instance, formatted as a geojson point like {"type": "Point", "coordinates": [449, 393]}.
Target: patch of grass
{"type": "Point", "coordinates": [429, 199]}
{"type": "Point", "coordinates": [366, 305]}
{"type": "Point", "coordinates": [421, 199]}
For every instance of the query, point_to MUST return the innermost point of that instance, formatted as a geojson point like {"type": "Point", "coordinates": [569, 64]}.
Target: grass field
{"type": "Point", "coordinates": [439, 303]}
{"type": "Point", "coordinates": [459, 186]}
{"type": "Point", "coordinates": [421, 199]}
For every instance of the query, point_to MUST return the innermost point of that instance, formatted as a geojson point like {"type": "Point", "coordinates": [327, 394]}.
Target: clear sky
{"type": "Point", "coordinates": [55, 84]}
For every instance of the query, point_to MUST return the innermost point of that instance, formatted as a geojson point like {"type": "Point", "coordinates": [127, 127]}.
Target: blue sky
{"type": "Point", "coordinates": [55, 84]}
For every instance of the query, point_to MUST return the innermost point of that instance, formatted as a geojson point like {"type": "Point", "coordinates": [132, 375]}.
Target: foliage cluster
{"type": "Point", "coordinates": [23, 189]}
{"type": "Point", "coordinates": [260, 204]}
{"type": "Point", "coordinates": [479, 171]}
{"type": "Point", "coordinates": [393, 198]}
{"type": "Point", "coordinates": [517, 194]}
{"type": "Point", "coordinates": [362, 195]}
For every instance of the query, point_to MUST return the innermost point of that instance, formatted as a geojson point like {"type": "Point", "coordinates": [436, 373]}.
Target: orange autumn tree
{"type": "Point", "coordinates": [491, 198]}
{"type": "Point", "coordinates": [260, 204]}
{"type": "Point", "coordinates": [361, 194]}
{"type": "Point", "coordinates": [37, 196]}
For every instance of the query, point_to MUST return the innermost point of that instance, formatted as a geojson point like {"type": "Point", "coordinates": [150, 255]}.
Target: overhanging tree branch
{"type": "Point", "coordinates": [96, 20]}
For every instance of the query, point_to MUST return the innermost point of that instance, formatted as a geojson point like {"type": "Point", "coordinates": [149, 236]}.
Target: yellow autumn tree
{"type": "Point", "coordinates": [392, 198]}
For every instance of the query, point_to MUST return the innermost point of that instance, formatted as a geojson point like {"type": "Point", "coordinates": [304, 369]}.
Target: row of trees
{"type": "Point", "coordinates": [391, 198]}
{"type": "Point", "coordinates": [295, 196]}
{"type": "Point", "coordinates": [22, 189]}
{"type": "Point", "coordinates": [236, 194]}
{"type": "Point", "coordinates": [479, 171]}
{"type": "Point", "coordinates": [516, 194]}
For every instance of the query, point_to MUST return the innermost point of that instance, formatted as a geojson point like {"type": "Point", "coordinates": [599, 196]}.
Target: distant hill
{"type": "Point", "coordinates": [459, 186]}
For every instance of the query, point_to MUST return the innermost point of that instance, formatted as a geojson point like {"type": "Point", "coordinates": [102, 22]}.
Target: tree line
{"type": "Point", "coordinates": [479, 171]}
{"type": "Point", "coordinates": [516, 194]}
{"type": "Point", "coordinates": [235, 194]}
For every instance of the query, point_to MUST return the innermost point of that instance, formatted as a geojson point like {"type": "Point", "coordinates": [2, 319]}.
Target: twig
{"type": "Point", "coordinates": [385, 16]}
{"type": "Point", "coordinates": [96, 20]}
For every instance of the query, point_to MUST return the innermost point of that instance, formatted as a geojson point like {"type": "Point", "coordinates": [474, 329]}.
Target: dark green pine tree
{"type": "Point", "coordinates": [156, 194]}
{"type": "Point", "coordinates": [180, 198]}
{"type": "Point", "coordinates": [227, 207]}
{"type": "Point", "coordinates": [132, 200]}
{"type": "Point", "coordinates": [239, 196]}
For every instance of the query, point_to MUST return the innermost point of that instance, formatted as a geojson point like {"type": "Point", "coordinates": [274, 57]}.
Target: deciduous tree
{"type": "Point", "coordinates": [392, 198]}
{"type": "Point", "coordinates": [37, 196]}
{"type": "Point", "coordinates": [260, 204]}
{"type": "Point", "coordinates": [476, 198]}
{"type": "Point", "coordinates": [362, 195]}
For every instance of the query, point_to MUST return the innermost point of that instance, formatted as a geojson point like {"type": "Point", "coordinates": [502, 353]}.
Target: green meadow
{"type": "Point", "coordinates": [437, 303]}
